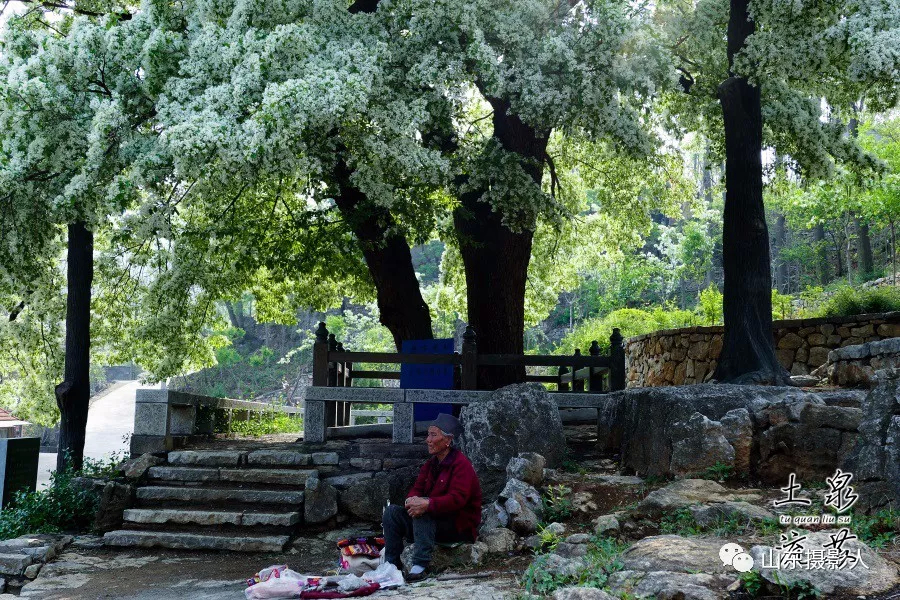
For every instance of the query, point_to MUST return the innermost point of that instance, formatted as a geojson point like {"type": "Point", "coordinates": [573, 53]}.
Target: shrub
{"type": "Point", "coordinates": [630, 321]}
{"type": "Point", "coordinates": [63, 507]}
{"type": "Point", "coordinates": [602, 559]}
{"type": "Point", "coordinates": [848, 301]}
{"type": "Point", "coordinates": [709, 305]}
{"type": "Point", "coordinates": [261, 423]}
{"type": "Point", "coordinates": [557, 504]}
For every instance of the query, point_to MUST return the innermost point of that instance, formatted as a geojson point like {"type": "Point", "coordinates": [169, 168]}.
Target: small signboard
{"type": "Point", "coordinates": [427, 377]}
{"type": "Point", "coordinates": [18, 466]}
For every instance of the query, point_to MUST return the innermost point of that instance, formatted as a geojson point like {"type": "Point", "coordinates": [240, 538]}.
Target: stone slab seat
{"type": "Point", "coordinates": [182, 540]}
{"type": "Point", "coordinates": [291, 477]}
{"type": "Point", "coordinates": [165, 516]}
{"type": "Point", "coordinates": [204, 495]}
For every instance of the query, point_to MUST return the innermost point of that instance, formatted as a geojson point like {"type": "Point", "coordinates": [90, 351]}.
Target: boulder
{"type": "Point", "coordinates": [444, 557]}
{"type": "Point", "coordinates": [658, 431]}
{"type": "Point", "coordinates": [135, 468]}
{"type": "Point", "coordinates": [515, 419]}
{"type": "Point", "coordinates": [367, 498]}
{"type": "Point", "coordinates": [567, 550]}
{"type": "Point", "coordinates": [877, 576]}
{"type": "Point", "coordinates": [522, 492]}
{"type": "Point", "coordinates": [498, 541]}
{"type": "Point", "coordinates": [527, 467]}
{"type": "Point", "coordinates": [690, 492]}
{"type": "Point", "coordinates": [676, 553]}
{"type": "Point", "coordinates": [493, 515]}
{"type": "Point", "coordinates": [319, 500]}
{"type": "Point", "coordinates": [697, 444]}
{"type": "Point", "coordinates": [559, 566]}
{"type": "Point", "coordinates": [606, 525]}
{"type": "Point", "coordinates": [875, 459]}
{"type": "Point", "coordinates": [114, 499]}
{"type": "Point", "coordinates": [709, 514]}
{"type": "Point", "coordinates": [581, 593]}
{"type": "Point", "coordinates": [522, 519]}
{"type": "Point", "coordinates": [669, 585]}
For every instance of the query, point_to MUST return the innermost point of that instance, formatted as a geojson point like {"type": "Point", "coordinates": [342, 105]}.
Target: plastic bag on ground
{"type": "Point", "coordinates": [387, 575]}
{"type": "Point", "coordinates": [277, 581]}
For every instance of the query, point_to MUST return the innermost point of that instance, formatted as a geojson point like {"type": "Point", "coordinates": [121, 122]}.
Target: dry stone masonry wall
{"type": "Point", "coordinates": [689, 355]}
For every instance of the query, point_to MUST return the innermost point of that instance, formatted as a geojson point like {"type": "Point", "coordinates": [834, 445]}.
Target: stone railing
{"type": "Point", "coordinates": [165, 419]}
{"type": "Point", "coordinates": [689, 355]}
{"type": "Point", "coordinates": [402, 401]}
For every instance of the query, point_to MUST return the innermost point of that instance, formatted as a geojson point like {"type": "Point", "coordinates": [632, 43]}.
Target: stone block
{"type": "Point", "coordinates": [182, 419]}
{"type": "Point", "coordinates": [151, 419]}
{"type": "Point", "coordinates": [149, 444]}
{"type": "Point", "coordinates": [13, 565]}
{"type": "Point", "coordinates": [325, 458]}
{"type": "Point", "coordinates": [404, 423]}
{"type": "Point", "coordinates": [863, 331]}
{"type": "Point", "coordinates": [818, 356]}
{"type": "Point", "coordinates": [276, 458]}
{"type": "Point", "coordinates": [366, 464]}
{"type": "Point", "coordinates": [791, 340]}
{"type": "Point", "coordinates": [314, 421]}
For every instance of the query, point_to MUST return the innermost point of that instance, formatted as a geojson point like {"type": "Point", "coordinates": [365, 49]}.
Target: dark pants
{"type": "Point", "coordinates": [424, 531]}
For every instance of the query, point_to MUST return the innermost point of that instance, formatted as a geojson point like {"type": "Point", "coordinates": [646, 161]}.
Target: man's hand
{"type": "Point", "coordinates": [416, 506]}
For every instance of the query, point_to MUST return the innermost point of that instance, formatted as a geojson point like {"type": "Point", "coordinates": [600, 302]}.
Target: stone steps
{"type": "Point", "coordinates": [189, 540]}
{"type": "Point", "coordinates": [205, 495]}
{"type": "Point", "coordinates": [255, 458]}
{"type": "Point", "coordinates": [177, 474]}
{"type": "Point", "coordinates": [214, 518]}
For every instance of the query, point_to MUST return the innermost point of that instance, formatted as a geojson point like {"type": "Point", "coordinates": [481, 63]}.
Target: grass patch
{"type": "Point", "coordinates": [878, 530]}
{"type": "Point", "coordinates": [849, 301]}
{"type": "Point", "coordinates": [557, 504]}
{"type": "Point", "coordinates": [683, 523]}
{"type": "Point", "coordinates": [602, 560]}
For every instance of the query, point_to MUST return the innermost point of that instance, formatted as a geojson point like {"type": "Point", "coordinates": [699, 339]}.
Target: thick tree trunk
{"type": "Point", "coordinates": [496, 258]}
{"type": "Point", "coordinates": [389, 260]}
{"type": "Point", "coordinates": [864, 244]}
{"type": "Point", "coordinates": [74, 393]}
{"type": "Point", "coordinates": [748, 350]}
{"type": "Point", "coordinates": [781, 274]}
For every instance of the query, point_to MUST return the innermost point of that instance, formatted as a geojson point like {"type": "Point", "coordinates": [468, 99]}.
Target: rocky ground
{"type": "Point", "coordinates": [551, 533]}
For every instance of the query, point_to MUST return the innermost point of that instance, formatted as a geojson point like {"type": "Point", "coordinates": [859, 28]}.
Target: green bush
{"type": "Point", "coordinates": [848, 301]}
{"type": "Point", "coordinates": [709, 305]}
{"type": "Point", "coordinates": [62, 507]}
{"type": "Point", "coordinates": [630, 321]}
{"type": "Point", "coordinates": [260, 423]}
{"type": "Point", "coordinates": [602, 559]}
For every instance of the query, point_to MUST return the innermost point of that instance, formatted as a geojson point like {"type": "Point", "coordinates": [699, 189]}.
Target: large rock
{"type": "Point", "coordinates": [515, 419]}
{"type": "Point", "coordinates": [676, 553]}
{"type": "Point", "coordinates": [744, 512]}
{"type": "Point", "coordinates": [690, 492]}
{"type": "Point", "coordinates": [319, 501]}
{"type": "Point", "coordinates": [875, 460]}
{"type": "Point", "coordinates": [527, 467]}
{"type": "Point", "coordinates": [658, 431]}
{"type": "Point", "coordinates": [875, 577]}
{"type": "Point", "coordinates": [135, 468]}
{"type": "Point", "coordinates": [699, 443]}
{"type": "Point", "coordinates": [114, 499]}
{"type": "Point", "coordinates": [367, 498]}
{"type": "Point", "coordinates": [581, 593]}
{"type": "Point", "coordinates": [669, 585]}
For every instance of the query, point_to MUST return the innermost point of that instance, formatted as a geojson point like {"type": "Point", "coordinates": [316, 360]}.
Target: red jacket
{"type": "Point", "coordinates": [453, 491]}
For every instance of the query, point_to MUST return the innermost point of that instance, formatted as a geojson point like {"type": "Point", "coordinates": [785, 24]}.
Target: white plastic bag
{"type": "Point", "coordinates": [387, 575]}
{"type": "Point", "coordinates": [277, 581]}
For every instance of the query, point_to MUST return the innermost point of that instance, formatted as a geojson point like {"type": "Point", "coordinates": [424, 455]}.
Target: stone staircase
{"type": "Point", "coordinates": [221, 500]}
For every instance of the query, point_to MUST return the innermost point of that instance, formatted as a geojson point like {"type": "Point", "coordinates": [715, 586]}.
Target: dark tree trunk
{"type": "Point", "coordinates": [74, 393]}
{"type": "Point", "coordinates": [822, 267]}
{"type": "Point", "coordinates": [781, 274]}
{"type": "Point", "coordinates": [389, 260]}
{"type": "Point", "coordinates": [496, 258]}
{"type": "Point", "coordinates": [864, 248]}
{"type": "Point", "coordinates": [748, 350]}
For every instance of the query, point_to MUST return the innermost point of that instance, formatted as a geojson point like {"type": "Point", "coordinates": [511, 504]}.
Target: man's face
{"type": "Point", "coordinates": [437, 442]}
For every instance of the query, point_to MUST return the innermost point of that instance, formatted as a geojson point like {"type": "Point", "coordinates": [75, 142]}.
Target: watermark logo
{"type": "Point", "coordinates": [735, 556]}
{"type": "Point", "coordinates": [839, 496]}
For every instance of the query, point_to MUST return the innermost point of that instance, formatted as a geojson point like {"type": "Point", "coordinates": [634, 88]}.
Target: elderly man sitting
{"type": "Point", "coordinates": [444, 505]}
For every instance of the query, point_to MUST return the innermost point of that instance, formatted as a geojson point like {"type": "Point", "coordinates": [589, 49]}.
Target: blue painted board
{"type": "Point", "coordinates": [427, 377]}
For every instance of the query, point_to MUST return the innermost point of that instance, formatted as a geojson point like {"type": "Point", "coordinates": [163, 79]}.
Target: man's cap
{"type": "Point", "coordinates": [448, 424]}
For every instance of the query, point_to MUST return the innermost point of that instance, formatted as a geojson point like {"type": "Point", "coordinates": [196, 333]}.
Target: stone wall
{"type": "Point", "coordinates": [856, 365]}
{"type": "Point", "coordinates": [689, 355]}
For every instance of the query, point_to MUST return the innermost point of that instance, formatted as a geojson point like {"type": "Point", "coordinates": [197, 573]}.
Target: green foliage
{"type": "Point", "coordinates": [261, 423]}
{"type": "Point", "coordinates": [878, 530]}
{"type": "Point", "coordinates": [718, 472]}
{"type": "Point", "coordinates": [797, 590]}
{"type": "Point", "coordinates": [752, 582]}
{"type": "Point", "coordinates": [549, 538]}
{"type": "Point", "coordinates": [603, 559]}
{"type": "Point", "coordinates": [62, 507]}
{"type": "Point", "coordinates": [103, 468]}
{"type": "Point", "coordinates": [682, 523]}
{"type": "Point", "coordinates": [631, 322]}
{"type": "Point", "coordinates": [557, 504]}
{"type": "Point", "coordinates": [848, 301]}
{"type": "Point", "coordinates": [709, 305]}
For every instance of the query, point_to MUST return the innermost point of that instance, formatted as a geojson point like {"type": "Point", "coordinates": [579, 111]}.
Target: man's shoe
{"type": "Point", "coordinates": [417, 573]}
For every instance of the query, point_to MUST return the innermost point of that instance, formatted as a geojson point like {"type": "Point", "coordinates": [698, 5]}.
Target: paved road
{"type": "Point", "coordinates": [110, 421]}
